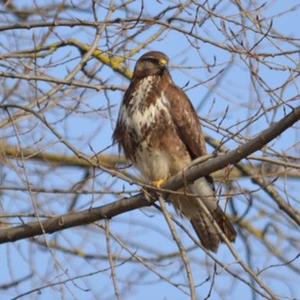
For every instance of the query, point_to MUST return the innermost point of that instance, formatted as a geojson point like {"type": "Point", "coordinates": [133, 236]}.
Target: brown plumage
{"type": "Point", "coordinates": [160, 132]}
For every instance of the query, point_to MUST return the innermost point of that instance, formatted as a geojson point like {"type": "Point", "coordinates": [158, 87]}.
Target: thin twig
{"type": "Point", "coordinates": [184, 257]}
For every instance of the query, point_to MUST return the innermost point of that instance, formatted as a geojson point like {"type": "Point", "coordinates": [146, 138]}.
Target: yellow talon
{"type": "Point", "coordinates": [159, 183]}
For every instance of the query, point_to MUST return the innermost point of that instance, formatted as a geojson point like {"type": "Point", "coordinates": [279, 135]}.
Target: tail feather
{"type": "Point", "coordinates": [208, 234]}
{"type": "Point", "coordinates": [201, 222]}
{"type": "Point", "coordinates": [225, 225]}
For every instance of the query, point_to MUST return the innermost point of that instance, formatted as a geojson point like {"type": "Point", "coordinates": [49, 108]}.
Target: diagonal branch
{"type": "Point", "coordinates": [190, 174]}
{"type": "Point", "coordinates": [234, 156]}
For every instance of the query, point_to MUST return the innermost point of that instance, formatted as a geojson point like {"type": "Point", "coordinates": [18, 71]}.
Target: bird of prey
{"type": "Point", "coordinates": [160, 133]}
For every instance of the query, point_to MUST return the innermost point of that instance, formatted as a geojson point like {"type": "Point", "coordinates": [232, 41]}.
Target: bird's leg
{"type": "Point", "coordinates": [159, 183]}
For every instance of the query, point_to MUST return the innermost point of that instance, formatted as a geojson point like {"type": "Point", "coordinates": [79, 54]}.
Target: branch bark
{"type": "Point", "coordinates": [190, 174]}
{"type": "Point", "coordinates": [15, 152]}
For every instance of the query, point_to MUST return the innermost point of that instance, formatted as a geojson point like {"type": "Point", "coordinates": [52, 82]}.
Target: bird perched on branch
{"type": "Point", "coordinates": [160, 133]}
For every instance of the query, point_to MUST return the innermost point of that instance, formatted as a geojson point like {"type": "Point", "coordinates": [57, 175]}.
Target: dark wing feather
{"type": "Point", "coordinates": [186, 121]}
{"type": "Point", "coordinates": [189, 130]}
{"type": "Point", "coordinates": [121, 135]}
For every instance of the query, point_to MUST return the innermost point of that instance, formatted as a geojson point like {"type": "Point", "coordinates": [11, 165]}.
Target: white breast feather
{"type": "Point", "coordinates": [153, 163]}
{"type": "Point", "coordinates": [134, 117]}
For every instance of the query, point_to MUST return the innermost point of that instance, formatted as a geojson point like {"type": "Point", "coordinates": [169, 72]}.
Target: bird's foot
{"type": "Point", "coordinates": [159, 183]}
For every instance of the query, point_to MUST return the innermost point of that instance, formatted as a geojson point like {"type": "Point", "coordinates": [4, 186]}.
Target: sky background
{"type": "Point", "coordinates": [90, 129]}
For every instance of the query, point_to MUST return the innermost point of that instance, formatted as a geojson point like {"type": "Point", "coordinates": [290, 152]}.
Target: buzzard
{"type": "Point", "coordinates": [160, 133]}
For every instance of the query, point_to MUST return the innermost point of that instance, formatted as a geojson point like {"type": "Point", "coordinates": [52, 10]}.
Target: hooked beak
{"type": "Point", "coordinates": [163, 62]}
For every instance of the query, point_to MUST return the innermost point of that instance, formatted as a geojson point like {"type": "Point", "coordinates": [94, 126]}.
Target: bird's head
{"type": "Point", "coordinates": [151, 63]}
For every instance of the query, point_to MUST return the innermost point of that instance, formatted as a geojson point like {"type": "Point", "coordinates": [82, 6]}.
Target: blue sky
{"type": "Point", "coordinates": [145, 230]}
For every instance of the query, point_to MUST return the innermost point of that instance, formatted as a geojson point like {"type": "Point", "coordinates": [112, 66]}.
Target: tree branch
{"type": "Point", "coordinates": [232, 157]}
{"type": "Point", "coordinates": [190, 174]}
{"type": "Point", "coordinates": [107, 160]}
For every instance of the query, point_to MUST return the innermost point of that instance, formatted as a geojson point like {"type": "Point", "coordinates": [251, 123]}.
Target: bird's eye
{"type": "Point", "coordinates": [152, 60]}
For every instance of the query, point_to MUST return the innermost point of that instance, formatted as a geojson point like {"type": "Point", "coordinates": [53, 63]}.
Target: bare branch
{"type": "Point", "coordinates": [189, 175]}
